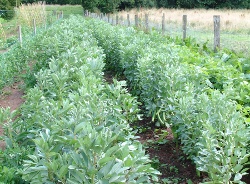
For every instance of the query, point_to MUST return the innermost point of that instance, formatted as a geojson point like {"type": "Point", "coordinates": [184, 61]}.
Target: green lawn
{"type": "Point", "coordinates": [67, 9]}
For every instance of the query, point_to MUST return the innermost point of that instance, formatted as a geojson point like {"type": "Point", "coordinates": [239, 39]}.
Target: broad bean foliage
{"type": "Point", "coordinates": [204, 99]}
{"type": "Point", "coordinates": [73, 125]}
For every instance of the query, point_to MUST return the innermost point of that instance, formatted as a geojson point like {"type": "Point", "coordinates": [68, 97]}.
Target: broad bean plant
{"type": "Point", "coordinates": [74, 126]}
{"type": "Point", "coordinates": [203, 99]}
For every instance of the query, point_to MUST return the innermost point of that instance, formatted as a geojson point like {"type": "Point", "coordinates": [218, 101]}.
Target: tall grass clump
{"type": "Point", "coordinates": [2, 35]}
{"type": "Point", "coordinates": [27, 13]}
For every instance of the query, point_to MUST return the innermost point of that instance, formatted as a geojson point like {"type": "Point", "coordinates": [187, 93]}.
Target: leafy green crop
{"type": "Point", "coordinates": [201, 97]}
{"type": "Point", "coordinates": [75, 126]}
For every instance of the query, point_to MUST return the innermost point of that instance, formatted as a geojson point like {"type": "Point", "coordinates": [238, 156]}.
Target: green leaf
{"type": "Point", "coordinates": [237, 168]}
{"type": "Point", "coordinates": [79, 127]}
{"type": "Point", "coordinates": [63, 171]}
{"type": "Point", "coordinates": [105, 160]}
{"type": "Point", "coordinates": [106, 169]}
{"type": "Point", "coordinates": [237, 177]}
{"type": "Point", "coordinates": [116, 168]}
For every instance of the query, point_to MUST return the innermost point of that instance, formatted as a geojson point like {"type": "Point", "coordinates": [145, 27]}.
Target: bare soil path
{"type": "Point", "coordinates": [11, 96]}
{"type": "Point", "coordinates": [167, 156]}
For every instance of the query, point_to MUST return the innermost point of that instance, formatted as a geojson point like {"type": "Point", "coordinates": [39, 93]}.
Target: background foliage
{"type": "Point", "coordinates": [109, 6]}
{"type": "Point", "coordinates": [7, 8]}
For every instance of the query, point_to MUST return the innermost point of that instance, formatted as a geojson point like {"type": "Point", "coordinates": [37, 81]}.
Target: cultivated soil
{"type": "Point", "coordinates": [11, 96]}
{"type": "Point", "coordinates": [167, 156]}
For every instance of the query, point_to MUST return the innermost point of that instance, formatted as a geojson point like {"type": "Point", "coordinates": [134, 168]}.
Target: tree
{"type": "Point", "coordinates": [7, 11]}
{"type": "Point", "coordinates": [108, 6]}
{"type": "Point", "coordinates": [15, 3]}
{"type": "Point", "coordinates": [89, 5]}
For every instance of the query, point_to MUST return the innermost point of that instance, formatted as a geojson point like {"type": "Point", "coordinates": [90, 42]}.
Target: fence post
{"type": "Point", "coordinates": [20, 35]}
{"type": "Point", "coordinates": [45, 22]}
{"type": "Point", "coordinates": [216, 32]}
{"type": "Point", "coordinates": [34, 26]}
{"type": "Point", "coordinates": [163, 23]}
{"type": "Point", "coordinates": [128, 20]}
{"type": "Point", "coordinates": [61, 15]}
{"type": "Point", "coordinates": [121, 18]}
{"type": "Point", "coordinates": [108, 18]}
{"type": "Point", "coordinates": [50, 19]}
{"type": "Point", "coordinates": [136, 21]}
{"type": "Point", "coordinates": [184, 26]}
{"type": "Point", "coordinates": [117, 20]}
{"type": "Point", "coordinates": [146, 22]}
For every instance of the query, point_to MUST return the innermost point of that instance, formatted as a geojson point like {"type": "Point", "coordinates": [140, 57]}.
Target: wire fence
{"type": "Point", "coordinates": [238, 42]}
{"type": "Point", "coordinates": [235, 41]}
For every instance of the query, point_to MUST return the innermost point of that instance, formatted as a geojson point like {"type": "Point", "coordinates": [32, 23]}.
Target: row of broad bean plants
{"type": "Point", "coordinates": [73, 126]}
{"type": "Point", "coordinates": [202, 98]}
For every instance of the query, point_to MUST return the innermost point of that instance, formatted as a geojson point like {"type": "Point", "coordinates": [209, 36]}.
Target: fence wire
{"type": "Point", "coordinates": [235, 41]}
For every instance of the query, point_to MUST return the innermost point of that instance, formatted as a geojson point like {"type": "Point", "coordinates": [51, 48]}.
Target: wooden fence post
{"type": "Point", "coordinates": [216, 32]}
{"type": "Point", "coordinates": [61, 15]}
{"type": "Point", "coordinates": [163, 23]}
{"type": "Point", "coordinates": [136, 21]}
{"type": "Point", "coordinates": [20, 35]}
{"type": "Point", "coordinates": [146, 23]}
{"type": "Point", "coordinates": [184, 26]}
{"type": "Point", "coordinates": [108, 18]}
{"type": "Point", "coordinates": [121, 18]}
{"type": "Point", "coordinates": [128, 20]}
{"type": "Point", "coordinates": [34, 26]}
{"type": "Point", "coordinates": [45, 22]}
{"type": "Point", "coordinates": [117, 20]}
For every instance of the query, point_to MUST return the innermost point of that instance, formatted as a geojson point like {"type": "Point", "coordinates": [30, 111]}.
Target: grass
{"type": "Point", "coordinates": [231, 20]}
{"type": "Point", "coordinates": [67, 9]}
{"type": "Point", "coordinates": [235, 24]}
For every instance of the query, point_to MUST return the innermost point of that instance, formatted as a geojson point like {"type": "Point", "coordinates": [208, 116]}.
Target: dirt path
{"type": "Point", "coordinates": [11, 96]}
